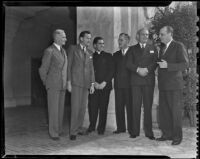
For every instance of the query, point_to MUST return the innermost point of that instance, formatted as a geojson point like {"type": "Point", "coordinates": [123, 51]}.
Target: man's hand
{"type": "Point", "coordinates": [102, 85]}
{"type": "Point", "coordinates": [69, 86]}
{"type": "Point", "coordinates": [142, 71]}
{"type": "Point", "coordinates": [92, 89]}
{"type": "Point", "coordinates": [162, 64]}
{"type": "Point", "coordinates": [96, 85]}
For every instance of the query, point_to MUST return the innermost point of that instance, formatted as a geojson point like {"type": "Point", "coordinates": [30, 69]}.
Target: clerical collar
{"type": "Point", "coordinates": [57, 46]}
{"type": "Point", "coordinates": [98, 52]}
{"type": "Point", "coordinates": [144, 44]}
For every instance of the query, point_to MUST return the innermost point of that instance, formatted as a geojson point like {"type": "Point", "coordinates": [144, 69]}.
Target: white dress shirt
{"type": "Point", "coordinates": [58, 46]}
{"type": "Point", "coordinates": [124, 51]}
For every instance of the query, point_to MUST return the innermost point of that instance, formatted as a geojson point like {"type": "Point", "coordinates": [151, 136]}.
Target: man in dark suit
{"type": "Point", "coordinates": [170, 83]}
{"type": "Point", "coordinates": [53, 73]}
{"type": "Point", "coordinates": [80, 73]}
{"type": "Point", "coordinates": [122, 85]}
{"type": "Point", "coordinates": [98, 102]}
{"type": "Point", "coordinates": [142, 64]}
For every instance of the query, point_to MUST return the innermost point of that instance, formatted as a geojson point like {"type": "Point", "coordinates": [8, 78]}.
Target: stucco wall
{"type": "Point", "coordinates": [26, 37]}
{"type": "Point", "coordinates": [109, 22]}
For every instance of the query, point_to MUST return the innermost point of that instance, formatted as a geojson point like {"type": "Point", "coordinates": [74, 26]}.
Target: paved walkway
{"type": "Point", "coordinates": [26, 133]}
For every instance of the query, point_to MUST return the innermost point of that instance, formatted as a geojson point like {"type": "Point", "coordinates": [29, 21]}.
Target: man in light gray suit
{"type": "Point", "coordinates": [80, 74]}
{"type": "Point", "coordinates": [53, 73]}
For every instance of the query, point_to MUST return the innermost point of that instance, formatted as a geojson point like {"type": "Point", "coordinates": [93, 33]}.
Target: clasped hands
{"type": "Point", "coordinates": [100, 86]}
{"type": "Point", "coordinates": [142, 71]}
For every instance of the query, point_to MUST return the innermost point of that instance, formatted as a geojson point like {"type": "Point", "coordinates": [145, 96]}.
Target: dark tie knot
{"type": "Point", "coordinates": [84, 49]}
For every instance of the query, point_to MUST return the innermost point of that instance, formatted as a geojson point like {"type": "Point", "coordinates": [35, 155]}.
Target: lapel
{"type": "Point", "coordinates": [168, 50]}
{"type": "Point", "coordinates": [80, 52]}
{"type": "Point", "coordinates": [88, 56]}
{"type": "Point", "coordinates": [146, 50]}
{"type": "Point", "coordinates": [140, 53]}
{"type": "Point", "coordinates": [57, 53]}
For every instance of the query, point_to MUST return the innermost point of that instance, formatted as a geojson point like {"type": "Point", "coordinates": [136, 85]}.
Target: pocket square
{"type": "Point", "coordinates": [151, 51]}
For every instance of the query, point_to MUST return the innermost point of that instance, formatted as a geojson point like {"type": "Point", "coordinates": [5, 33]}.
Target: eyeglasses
{"type": "Point", "coordinates": [100, 43]}
{"type": "Point", "coordinates": [145, 34]}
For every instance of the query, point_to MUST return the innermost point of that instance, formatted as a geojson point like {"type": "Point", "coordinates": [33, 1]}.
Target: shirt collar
{"type": "Point", "coordinates": [167, 45]}
{"type": "Point", "coordinates": [57, 46]}
{"type": "Point", "coordinates": [98, 52]}
{"type": "Point", "coordinates": [82, 46]}
{"type": "Point", "coordinates": [125, 50]}
{"type": "Point", "coordinates": [144, 44]}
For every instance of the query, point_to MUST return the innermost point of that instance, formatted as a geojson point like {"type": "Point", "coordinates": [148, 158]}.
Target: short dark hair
{"type": "Point", "coordinates": [96, 39]}
{"type": "Point", "coordinates": [125, 35]}
{"type": "Point", "coordinates": [82, 34]}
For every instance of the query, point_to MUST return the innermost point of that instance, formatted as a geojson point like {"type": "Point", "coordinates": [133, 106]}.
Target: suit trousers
{"type": "Point", "coordinates": [79, 98]}
{"type": "Point", "coordinates": [56, 100]}
{"type": "Point", "coordinates": [122, 100]}
{"type": "Point", "coordinates": [98, 104]}
{"type": "Point", "coordinates": [170, 114]}
{"type": "Point", "coordinates": [142, 94]}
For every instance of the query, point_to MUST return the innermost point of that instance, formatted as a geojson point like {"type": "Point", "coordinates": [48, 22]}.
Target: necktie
{"type": "Point", "coordinates": [164, 49]}
{"type": "Point", "coordinates": [84, 54]}
{"type": "Point", "coordinates": [123, 52]}
{"type": "Point", "coordinates": [142, 46]}
{"type": "Point", "coordinates": [62, 52]}
{"type": "Point", "coordinates": [84, 49]}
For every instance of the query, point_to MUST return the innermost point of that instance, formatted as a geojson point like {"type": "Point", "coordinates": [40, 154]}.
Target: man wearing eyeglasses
{"type": "Point", "coordinates": [98, 102]}
{"type": "Point", "coordinates": [142, 64]}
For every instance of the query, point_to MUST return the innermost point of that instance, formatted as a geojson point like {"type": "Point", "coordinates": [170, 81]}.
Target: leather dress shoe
{"type": "Point", "coordinates": [176, 142]}
{"type": "Point", "coordinates": [118, 132]}
{"type": "Point", "coordinates": [72, 137]}
{"type": "Point", "coordinates": [89, 130]}
{"type": "Point", "coordinates": [100, 133]}
{"type": "Point", "coordinates": [162, 139]}
{"type": "Point", "coordinates": [151, 137]}
{"type": "Point", "coordinates": [54, 138]}
{"type": "Point", "coordinates": [133, 136]}
{"type": "Point", "coordinates": [80, 133]}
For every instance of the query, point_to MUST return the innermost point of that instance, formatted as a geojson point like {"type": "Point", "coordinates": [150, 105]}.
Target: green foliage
{"type": "Point", "coordinates": [183, 19]}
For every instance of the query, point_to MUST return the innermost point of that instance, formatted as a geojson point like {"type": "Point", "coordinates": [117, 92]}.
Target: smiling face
{"type": "Point", "coordinates": [99, 46]}
{"type": "Point", "coordinates": [86, 39]}
{"type": "Point", "coordinates": [143, 36]}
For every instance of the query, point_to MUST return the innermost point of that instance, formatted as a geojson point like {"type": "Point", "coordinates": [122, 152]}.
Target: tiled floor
{"type": "Point", "coordinates": [26, 133]}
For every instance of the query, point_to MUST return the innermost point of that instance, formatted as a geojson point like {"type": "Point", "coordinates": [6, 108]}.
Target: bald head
{"type": "Point", "coordinates": [59, 37]}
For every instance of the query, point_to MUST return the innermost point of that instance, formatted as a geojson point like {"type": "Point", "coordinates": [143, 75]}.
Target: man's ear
{"type": "Point", "coordinates": [81, 39]}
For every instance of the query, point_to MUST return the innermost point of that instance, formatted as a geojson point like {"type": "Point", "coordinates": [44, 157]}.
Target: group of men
{"type": "Point", "coordinates": [88, 76]}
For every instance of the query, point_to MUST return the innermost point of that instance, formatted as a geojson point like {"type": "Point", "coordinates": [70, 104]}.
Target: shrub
{"type": "Point", "coordinates": [183, 19]}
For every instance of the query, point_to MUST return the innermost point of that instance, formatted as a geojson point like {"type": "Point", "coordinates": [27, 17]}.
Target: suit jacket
{"type": "Point", "coordinates": [171, 78]}
{"type": "Point", "coordinates": [139, 58]}
{"type": "Point", "coordinates": [103, 68]}
{"type": "Point", "coordinates": [80, 69]}
{"type": "Point", "coordinates": [53, 70]}
{"type": "Point", "coordinates": [121, 73]}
